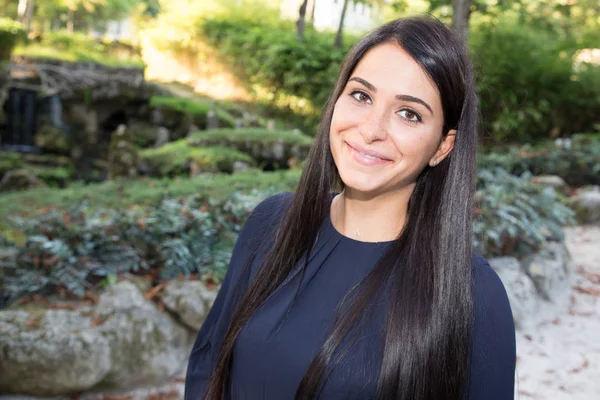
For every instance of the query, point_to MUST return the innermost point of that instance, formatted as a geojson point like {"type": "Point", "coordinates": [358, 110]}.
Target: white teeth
{"type": "Point", "coordinates": [369, 156]}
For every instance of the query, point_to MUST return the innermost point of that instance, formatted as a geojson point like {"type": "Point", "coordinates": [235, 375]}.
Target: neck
{"type": "Point", "coordinates": [370, 218]}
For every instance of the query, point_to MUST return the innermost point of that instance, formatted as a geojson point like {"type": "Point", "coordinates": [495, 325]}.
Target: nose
{"type": "Point", "coordinates": [373, 128]}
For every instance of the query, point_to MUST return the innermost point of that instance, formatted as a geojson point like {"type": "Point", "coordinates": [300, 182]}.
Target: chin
{"type": "Point", "coordinates": [363, 183]}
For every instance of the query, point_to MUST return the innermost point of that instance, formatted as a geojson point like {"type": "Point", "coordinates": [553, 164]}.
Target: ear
{"type": "Point", "coordinates": [445, 147]}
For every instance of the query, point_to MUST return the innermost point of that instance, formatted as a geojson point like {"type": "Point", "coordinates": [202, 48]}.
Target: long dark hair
{"type": "Point", "coordinates": [425, 272]}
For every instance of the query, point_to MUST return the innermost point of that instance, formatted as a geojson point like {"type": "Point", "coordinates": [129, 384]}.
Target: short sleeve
{"type": "Point", "coordinates": [493, 349]}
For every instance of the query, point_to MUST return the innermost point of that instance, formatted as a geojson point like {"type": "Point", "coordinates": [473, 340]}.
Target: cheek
{"type": "Point", "coordinates": [415, 145]}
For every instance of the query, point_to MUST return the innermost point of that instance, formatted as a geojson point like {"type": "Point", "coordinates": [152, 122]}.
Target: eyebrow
{"type": "Point", "coordinates": [404, 97]}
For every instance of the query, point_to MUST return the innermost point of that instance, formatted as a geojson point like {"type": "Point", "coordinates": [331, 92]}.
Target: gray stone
{"type": "Point", "coordinates": [189, 300]}
{"type": "Point", "coordinates": [278, 150]}
{"type": "Point", "coordinates": [550, 270]}
{"type": "Point", "coordinates": [240, 166]}
{"type": "Point", "coordinates": [147, 345]}
{"type": "Point", "coordinates": [212, 120]}
{"type": "Point", "coordinates": [20, 179]}
{"type": "Point", "coordinates": [586, 204]}
{"type": "Point", "coordinates": [50, 353]}
{"type": "Point", "coordinates": [551, 181]}
{"type": "Point", "coordinates": [522, 295]}
{"type": "Point", "coordinates": [162, 137]}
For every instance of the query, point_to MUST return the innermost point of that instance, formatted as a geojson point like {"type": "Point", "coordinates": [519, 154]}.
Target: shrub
{"type": "Point", "coordinates": [514, 217]}
{"type": "Point", "coordinates": [79, 47]}
{"type": "Point", "coordinates": [76, 250]}
{"type": "Point", "coordinates": [527, 86]}
{"type": "Point", "coordinates": [576, 160]}
{"type": "Point", "coordinates": [175, 158]}
{"type": "Point", "coordinates": [197, 110]}
{"type": "Point", "coordinates": [11, 32]}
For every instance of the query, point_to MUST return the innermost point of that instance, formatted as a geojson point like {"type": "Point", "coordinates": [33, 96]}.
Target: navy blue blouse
{"type": "Point", "coordinates": [270, 358]}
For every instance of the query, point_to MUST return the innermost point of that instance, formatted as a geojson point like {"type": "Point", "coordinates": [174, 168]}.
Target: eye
{"type": "Point", "coordinates": [410, 116]}
{"type": "Point", "coordinates": [361, 97]}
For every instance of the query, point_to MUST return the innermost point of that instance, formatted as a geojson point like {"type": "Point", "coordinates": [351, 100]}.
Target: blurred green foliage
{"type": "Point", "coordinates": [11, 32]}
{"type": "Point", "coordinates": [176, 158]}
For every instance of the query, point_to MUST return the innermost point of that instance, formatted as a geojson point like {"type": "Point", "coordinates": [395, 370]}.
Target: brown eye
{"type": "Point", "coordinates": [410, 116]}
{"type": "Point", "coordinates": [360, 96]}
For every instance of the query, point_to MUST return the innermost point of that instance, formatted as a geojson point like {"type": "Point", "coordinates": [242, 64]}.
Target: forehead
{"type": "Point", "coordinates": [393, 71]}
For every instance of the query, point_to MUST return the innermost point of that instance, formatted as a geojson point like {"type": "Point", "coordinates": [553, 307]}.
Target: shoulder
{"type": "Point", "coordinates": [491, 307]}
{"type": "Point", "coordinates": [488, 290]}
{"type": "Point", "coordinates": [272, 207]}
{"type": "Point", "coordinates": [265, 216]}
{"type": "Point", "coordinates": [493, 346]}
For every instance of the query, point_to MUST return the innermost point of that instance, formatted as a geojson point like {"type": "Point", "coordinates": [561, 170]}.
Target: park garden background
{"type": "Point", "coordinates": [137, 135]}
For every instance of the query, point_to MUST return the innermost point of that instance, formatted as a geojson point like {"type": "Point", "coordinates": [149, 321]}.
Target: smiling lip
{"type": "Point", "coordinates": [367, 157]}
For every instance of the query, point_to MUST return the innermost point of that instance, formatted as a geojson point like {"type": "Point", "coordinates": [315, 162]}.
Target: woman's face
{"type": "Point", "coordinates": [387, 123]}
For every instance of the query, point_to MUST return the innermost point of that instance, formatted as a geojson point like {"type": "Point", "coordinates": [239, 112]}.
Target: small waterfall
{"type": "Point", "coordinates": [21, 111]}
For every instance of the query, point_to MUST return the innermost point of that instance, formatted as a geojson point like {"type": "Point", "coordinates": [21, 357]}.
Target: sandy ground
{"type": "Point", "coordinates": [559, 356]}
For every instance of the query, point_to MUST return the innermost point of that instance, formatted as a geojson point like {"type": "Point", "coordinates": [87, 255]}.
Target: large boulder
{"type": "Point", "coordinates": [147, 345]}
{"type": "Point", "coordinates": [586, 204]}
{"type": "Point", "coordinates": [522, 294]}
{"type": "Point", "coordinates": [50, 352]}
{"type": "Point", "coordinates": [189, 300]}
{"type": "Point", "coordinates": [550, 269]}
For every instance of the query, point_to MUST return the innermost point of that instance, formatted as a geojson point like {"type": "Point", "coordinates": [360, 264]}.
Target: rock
{"type": "Point", "coordinates": [8, 257]}
{"type": "Point", "coordinates": [270, 125]}
{"type": "Point", "coordinates": [212, 120]}
{"type": "Point", "coordinates": [122, 155]}
{"type": "Point", "coordinates": [522, 295]}
{"type": "Point", "coordinates": [52, 139]}
{"type": "Point", "coordinates": [20, 179]}
{"type": "Point", "coordinates": [162, 137]}
{"type": "Point", "coordinates": [189, 300]}
{"type": "Point", "coordinates": [240, 166]}
{"type": "Point", "coordinates": [586, 204]}
{"type": "Point", "coordinates": [50, 353]}
{"type": "Point", "coordinates": [552, 181]}
{"type": "Point", "coordinates": [278, 151]}
{"type": "Point", "coordinates": [147, 346]}
{"type": "Point", "coordinates": [550, 270]}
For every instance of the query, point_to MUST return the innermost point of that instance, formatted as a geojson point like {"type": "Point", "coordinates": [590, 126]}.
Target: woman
{"type": "Point", "coordinates": [373, 292]}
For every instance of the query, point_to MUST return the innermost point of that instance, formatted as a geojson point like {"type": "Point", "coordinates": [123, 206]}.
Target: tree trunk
{"type": "Point", "coordinates": [300, 22]}
{"type": "Point", "coordinates": [312, 12]}
{"type": "Point", "coordinates": [340, 32]}
{"type": "Point", "coordinates": [460, 17]}
{"type": "Point", "coordinates": [70, 21]}
{"type": "Point", "coordinates": [25, 12]}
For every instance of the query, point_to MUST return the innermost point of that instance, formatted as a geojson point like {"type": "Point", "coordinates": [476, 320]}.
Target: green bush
{"type": "Point", "coordinates": [196, 109]}
{"type": "Point", "coordinates": [528, 87]}
{"type": "Point", "coordinates": [576, 160]}
{"type": "Point", "coordinates": [76, 250]}
{"type": "Point", "coordinates": [11, 32]}
{"type": "Point", "coordinates": [295, 76]}
{"type": "Point", "coordinates": [9, 160]}
{"type": "Point", "coordinates": [176, 158]}
{"type": "Point", "coordinates": [514, 217]}
{"type": "Point", "coordinates": [79, 47]}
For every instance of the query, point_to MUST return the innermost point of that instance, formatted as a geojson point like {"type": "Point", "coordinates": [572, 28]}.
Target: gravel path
{"type": "Point", "coordinates": [559, 357]}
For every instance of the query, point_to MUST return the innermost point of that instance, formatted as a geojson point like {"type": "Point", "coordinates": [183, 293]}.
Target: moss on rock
{"type": "Point", "coordinates": [178, 158]}
{"type": "Point", "coordinates": [52, 139]}
{"type": "Point", "coordinates": [196, 109]}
